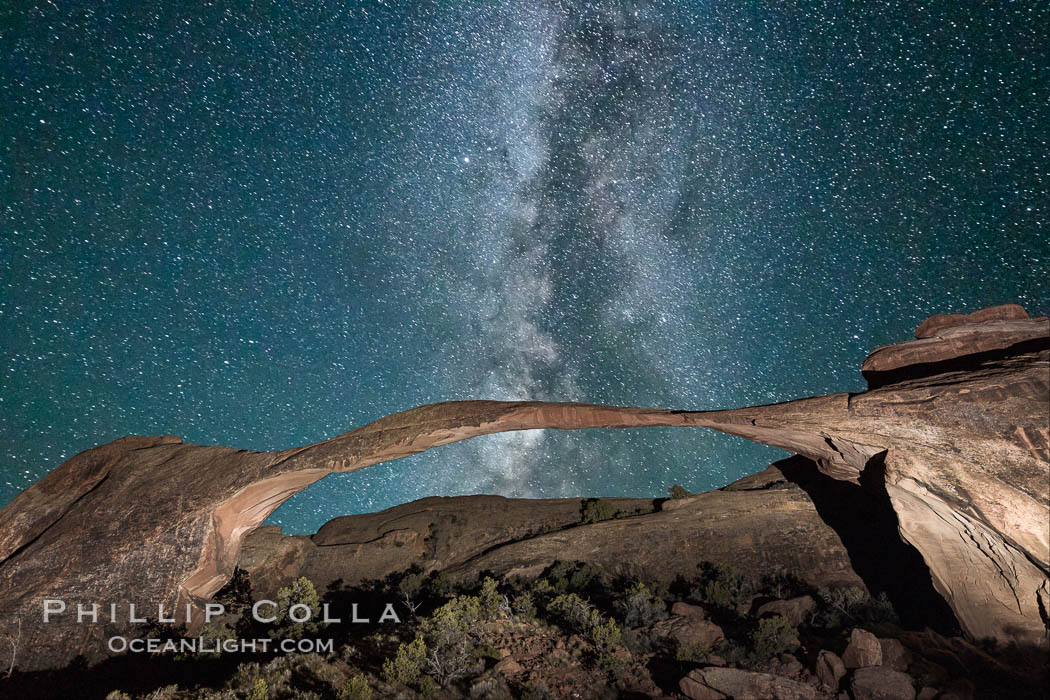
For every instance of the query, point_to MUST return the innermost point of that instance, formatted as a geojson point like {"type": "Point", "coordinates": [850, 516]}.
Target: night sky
{"type": "Point", "coordinates": [261, 224]}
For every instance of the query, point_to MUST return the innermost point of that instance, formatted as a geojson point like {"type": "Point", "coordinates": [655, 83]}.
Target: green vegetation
{"type": "Point", "coordinates": [595, 511]}
{"type": "Point", "coordinates": [259, 690]}
{"type": "Point", "coordinates": [523, 607]}
{"type": "Point", "coordinates": [356, 688]}
{"type": "Point", "coordinates": [694, 653]}
{"type": "Point", "coordinates": [298, 611]}
{"type": "Point", "coordinates": [639, 606]}
{"type": "Point", "coordinates": [573, 618]}
{"type": "Point", "coordinates": [407, 665]}
{"type": "Point", "coordinates": [451, 634]}
{"type": "Point", "coordinates": [677, 491]}
{"type": "Point", "coordinates": [853, 606]}
{"type": "Point", "coordinates": [721, 587]}
{"type": "Point", "coordinates": [774, 635]}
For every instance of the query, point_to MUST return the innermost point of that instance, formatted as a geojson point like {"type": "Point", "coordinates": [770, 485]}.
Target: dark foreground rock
{"type": "Point", "coordinates": [952, 441]}
{"type": "Point", "coordinates": [881, 683]}
{"type": "Point", "coordinates": [714, 683]}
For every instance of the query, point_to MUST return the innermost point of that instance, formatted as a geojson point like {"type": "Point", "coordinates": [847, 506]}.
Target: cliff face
{"type": "Point", "coordinates": [761, 525]}
{"type": "Point", "coordinates": [953, 436]}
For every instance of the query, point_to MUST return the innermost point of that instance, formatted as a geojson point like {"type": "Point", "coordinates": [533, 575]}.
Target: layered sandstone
{"type": "Point", "coordinates": [773, 520]}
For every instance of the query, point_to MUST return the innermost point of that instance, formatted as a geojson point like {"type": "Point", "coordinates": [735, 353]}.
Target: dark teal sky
{"type": "Point", "coordinates": [262, 224]}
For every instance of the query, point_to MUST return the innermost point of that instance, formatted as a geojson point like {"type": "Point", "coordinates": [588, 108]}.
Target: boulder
{"type": "Point", "coordinates": [508, 666]}
{"type": "Point", "coordinates": [694, 688]}
{"type": "Point", "coordinates": [683, 609]}
{"type": "Point", "coordinates": [687, 631]}
{"type": "Point", "coordinates": [785, 665]}
{"type": "Point", "coordinates": [881, 683]}
{"type": "Point", "coordinates": [863, 650]}
{"type": "Point", "coordinates": [796, 610]}
{"type": "Point", "coordinates": [738, 683]}
{"type": "Point", "coordinates": [830, 669]}
{"type": "Point", "coordinates": [894, 654]}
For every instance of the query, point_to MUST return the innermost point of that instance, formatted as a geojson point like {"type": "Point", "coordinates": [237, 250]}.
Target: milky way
{"type": "Point", "coordinates": [260, 225]}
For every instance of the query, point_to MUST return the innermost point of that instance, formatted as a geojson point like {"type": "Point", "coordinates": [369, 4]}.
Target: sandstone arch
{"type": "Point", "coordinates": [963, 439]}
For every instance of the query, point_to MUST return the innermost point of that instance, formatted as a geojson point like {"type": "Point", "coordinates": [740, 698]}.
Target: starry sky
{"type": "Point", "coordinates": [260, 224]}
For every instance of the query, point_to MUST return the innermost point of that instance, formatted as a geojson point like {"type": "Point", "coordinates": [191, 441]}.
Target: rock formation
{"type": "Point", "coordinates": [953, 435]}
{"type": "Point", "coordinates": [772, 519]}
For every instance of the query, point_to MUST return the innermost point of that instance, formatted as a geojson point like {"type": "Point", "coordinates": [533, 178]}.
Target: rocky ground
{"type": "Point", "coordinates": [575, 630]}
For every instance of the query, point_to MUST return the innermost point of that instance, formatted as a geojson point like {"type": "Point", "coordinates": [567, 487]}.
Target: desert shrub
{"type": "Point", "coordinates": [312, 672]}
{"type": "Point", "coordinates": [300, 593]}
{"type": "Point", "coordinates": [411, 588]}
{"type": "Point", "coordinates": [356, 688]}
{"type": "Point", "coordinates": [212, 636]}
{"type": "Point", "coordinates": [694, 653]}
{"type": "Point", "coordinates": [774, 635]}
{"type": "Point", "coordinates": [878, 610]}
{"type": "Point", "coordinates": [450, 635]}
{"type": "Point", "coordinates": [493, 604]}
{"type": "Point", "coordinates": [236, 595]}
{"type": "Point", "coordinates": [604, 633]}
{"type": "Point", "coordinates": [440, 586]}
{"type": "Point", "coordinates": [276, 676]}
{"type": "Point", "coordinates": [574, 613]}
{"type": "Point", "coordinates": [117, 695]}
{"type": "Point", "coordinates": [718, 593]}
{"type": "Point", "coordinates": [407, 665]}
{"type": "Point", "coordinates": [542, 593]}
{"type": "Point", "coordinates": [639, 606]}
{"type": "Point", "coordinates": [487, 651]}
{"type": "Point", "coordinates": [595, 511]}
{"type": "Point", "coordinates": [523, 606]}
{"type": "Point", "coordinates": [575, 577]}
{"type": "Point", "coordinates": [722, 587]}
{"type": "Point", "coordinates": [168, 692]}
{"type": "Point", "coordinates": [784, 586]}
{"type": "Point", "coordinates": [301, 675]}
{"type": "Point", "coordinates": [612, 665]}
{"type": "Point", "coordinates": [460, 616]}
{"type": "Point", "coordinates": [259, 690]}
{"type": "Point", "coordinates": [838, 605]}
{"type": "Point", "coordinates": [677, 491]}
{"type": "Point", "coordinates": [661, 590]}
{"type": "Point", "coordinates": [570, 611]}
{"type": "Point", "coordinates": [850, 605]}
{"type": "Point", "coordinates": [732, 651]}
{"type": "Point", "coordinates": [557, 575]}
{"type": "Point", "coordinates": [535, 691]}
{"type": "Point", "coordinates": [586, 577]}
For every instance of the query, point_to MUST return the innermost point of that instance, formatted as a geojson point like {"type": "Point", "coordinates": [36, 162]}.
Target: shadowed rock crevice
{"type": "Point", "coordinates": [865, 521]}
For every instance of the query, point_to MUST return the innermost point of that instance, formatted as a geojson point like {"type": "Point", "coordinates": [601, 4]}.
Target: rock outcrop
{"type": "Point", "coordinates": [778, 526]}
{"type": "Point", "coordinates": [953, 436]}
{"type": "Point", "coordinates": [432, 533]}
